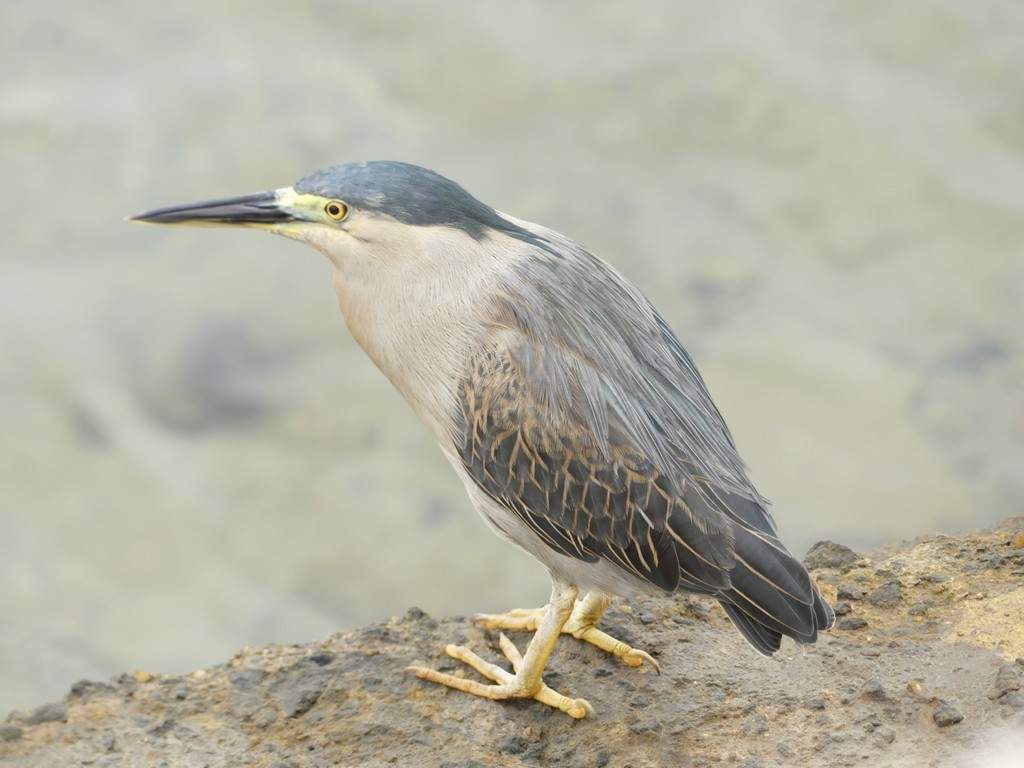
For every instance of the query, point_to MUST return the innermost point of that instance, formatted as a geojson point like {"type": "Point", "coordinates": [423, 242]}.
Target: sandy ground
{"type": "Point", "coordinates": [825, 201]}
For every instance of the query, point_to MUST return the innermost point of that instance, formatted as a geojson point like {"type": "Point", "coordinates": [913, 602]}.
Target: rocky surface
{"type": "Point", "coordinates": [924, 668]}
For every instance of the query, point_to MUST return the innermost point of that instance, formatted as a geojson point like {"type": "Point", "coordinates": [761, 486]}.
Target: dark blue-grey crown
{"type": "Point", "coordinates": [406, 193]}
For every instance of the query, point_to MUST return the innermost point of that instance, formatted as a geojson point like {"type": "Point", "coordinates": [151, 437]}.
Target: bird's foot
{"type": "Point", "coordinates": [581, 625]}
{"type": "Point", "coordinates": [507, 685]}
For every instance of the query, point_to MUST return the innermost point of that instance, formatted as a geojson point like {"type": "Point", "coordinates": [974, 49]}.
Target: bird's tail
{"type": "Point", "coordinates": [772, 595]}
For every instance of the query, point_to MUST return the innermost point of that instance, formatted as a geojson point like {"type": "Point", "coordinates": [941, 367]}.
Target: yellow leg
{"type": "Point", "coordinates": [582, 624]}
{"type": "Point", "coordinates": [527, 681]}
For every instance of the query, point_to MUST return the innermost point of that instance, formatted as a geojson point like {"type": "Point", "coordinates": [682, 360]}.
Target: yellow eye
{"type": "Point", "coordinates": [336, 209]}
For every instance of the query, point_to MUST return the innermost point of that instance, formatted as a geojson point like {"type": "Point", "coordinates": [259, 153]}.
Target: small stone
{"type": "Point", "coordinates": [755, 725]}
{"type": "Point", "coordinates": [918, 609]}
{"type": "Point", "coordinates": [842, 608]}
{"type": "Point", "coordinates": [1006, 681]}
{"type": "Point", "coordinates": [264, 716]}
{"type": "Point", "coordinates": [513, 744]}
{"type": "Point", "coordinates": [874, 689]}
{"type": "Point", "coordinates": [886, 596]}
{"type": "Point", "coordinates": [784, 749]}
{"type": "Point", "coordinates": [1013, 699]}
{"type": "Point", "coordinates": [246, 679]}
{"type": "Point", "coordinates": [851, 623]}
{"type": "Point", "coordinates": [1017, 542]}
{"type": "Point", "coordinates": [850, 592]}
{"type": "Point", "coordinates": [828, 554]}
{"type": "Point", "coordinates": [639, 702]}
{"type": "Point", "coordinates": [947, 713]}
{"type": "Point", "coordinates": [885, 735]}
{"type": "Point", "coordinates": [414, 614]}
{"type": "Point", "coordinates": [815, 703]}
{"type": "Point", "coordinates": [86, 688]}
{"type": "Point", "coordinates": [993, 560]}
{"type": "Point", "coordinates": [47, 713]}
{"type": "Point", "coordinates": [165, 725]}
{"type": "Point", "coordinates": [10, 732]}
{"type": "Point", "coordinates": [645, 726]}
{"type": "Point", "coordinates": [297, 700]}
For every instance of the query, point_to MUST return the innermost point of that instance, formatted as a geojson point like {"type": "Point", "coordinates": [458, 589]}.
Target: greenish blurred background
{"type": "Point", "coordinates": [825, 199]}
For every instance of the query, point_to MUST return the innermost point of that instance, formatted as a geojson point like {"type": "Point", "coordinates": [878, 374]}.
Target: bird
{"type": "Point", "coordinates": [561, 397]}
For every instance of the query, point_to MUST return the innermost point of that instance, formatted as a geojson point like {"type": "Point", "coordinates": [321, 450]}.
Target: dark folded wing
{"type": "Point", "coordinates": [583, 415]}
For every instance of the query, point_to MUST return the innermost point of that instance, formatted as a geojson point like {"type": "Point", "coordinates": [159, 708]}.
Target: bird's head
{"type": "Point", "coordinates": [357, 213]}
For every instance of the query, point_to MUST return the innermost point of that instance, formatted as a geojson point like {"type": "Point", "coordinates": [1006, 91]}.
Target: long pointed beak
{"type": "Point", "coordinates": [260, 209]}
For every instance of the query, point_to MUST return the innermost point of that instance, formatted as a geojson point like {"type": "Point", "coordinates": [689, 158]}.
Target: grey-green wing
{"type": "Point", "coordinates": [584, 416]}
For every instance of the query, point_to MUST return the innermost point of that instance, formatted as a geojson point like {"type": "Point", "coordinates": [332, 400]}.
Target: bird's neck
{"type": "Point", "coordinates": [420, 322]}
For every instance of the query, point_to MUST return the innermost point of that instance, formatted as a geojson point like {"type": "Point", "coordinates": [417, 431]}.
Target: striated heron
{"type": "Point", "coordinates": [580, 426]}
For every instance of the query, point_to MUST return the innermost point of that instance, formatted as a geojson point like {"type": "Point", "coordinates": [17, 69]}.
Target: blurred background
{"type": "Point", "coordinates": [826, 200]}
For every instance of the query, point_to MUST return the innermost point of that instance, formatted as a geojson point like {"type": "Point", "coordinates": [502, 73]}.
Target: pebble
{"type": "Point", "coordinates": [755, 725]}
{"type": "Point", "coordinates": [47, 713]}
{"type": "Point", "coordinates": [1013, 700]}
{"type": "Point", "coordinates": [513, 744]}
{"type": "Point", "coordinates": [874, 689]}
{"type": "Point", "coordinates": [10, 732]}
{"type": "Point", "coordinates": [850, 592]}
{"type": "Point", "coordinates": [842, 608]}
{"type": "Point", "coordinates": [918, 609]}
{"type": "Point", "coordinates": [1006, 681]}
{"type": "Point", "coordinates": [887, 595]}
{"type": "Point", "coordinates": [885, 735]}
{"type": "Point", "coordinates": [645, 726]}
{"type": "Point", "coordinates": [851, 623]}
{"type": "Point", "coordinates": [828, 554]}
{"type": "Point", "coordinates": [947, 713]}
